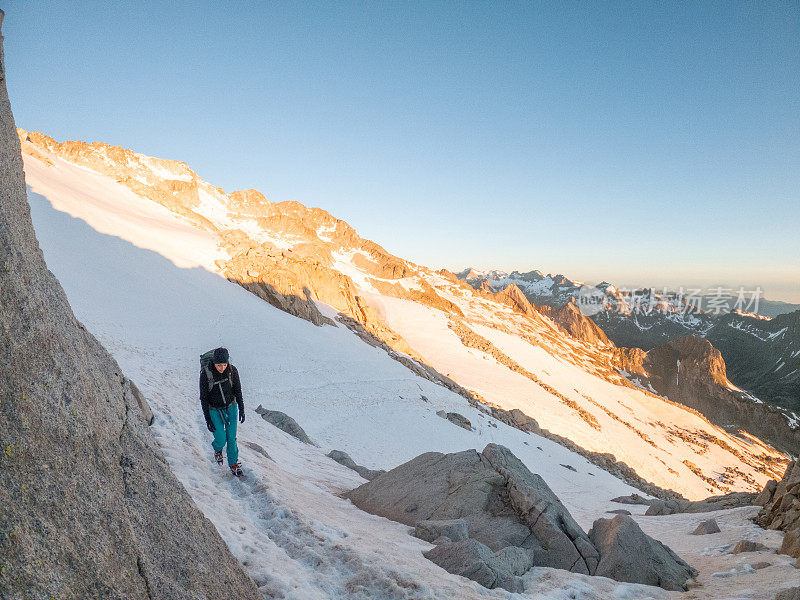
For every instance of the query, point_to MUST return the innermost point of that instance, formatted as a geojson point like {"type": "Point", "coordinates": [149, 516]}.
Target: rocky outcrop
{"type": "Point", "coordinates": [692, 372]}
{"type": "Point", "coordinates": [512, 296]}
{"type": "Point", "coordinates": [285, 423]}
{"type": "Point", "coordinates": [503, 503]}
{"type": "Point", "coordinates": [561, 540]}
{"type": "Point", "coordinates": [456, 419]}
{"type": "Point", "coordinates": [766, 494]}
{"type": "Point", "coordinates": [343, 458]}
{"type": "Point", "coordinates": [509, 514]}
{"type": "Point", "coordinates": [90, 507]}
{"type": "Point", "coordinates": [671, 506]}
{"type": "Point", "coordinates": [791, 543]}
{"type": "Point", "coordinates": [781, 509]}
{"type": "Point", "coordinates": [570, 318]}
{"type": "Point", "coordinates": [524, 422]}
{"type": "Point", "coordinates": [627, 554]}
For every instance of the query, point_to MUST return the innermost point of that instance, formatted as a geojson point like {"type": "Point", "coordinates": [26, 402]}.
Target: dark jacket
{"type": "Point", "coordinates": [226, 389]}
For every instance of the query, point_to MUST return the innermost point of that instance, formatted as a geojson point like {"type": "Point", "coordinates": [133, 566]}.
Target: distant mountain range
{"type": "Point", "coordinates": [761, 351]}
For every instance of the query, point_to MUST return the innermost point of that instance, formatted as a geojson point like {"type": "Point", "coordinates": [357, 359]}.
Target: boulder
{"type": "Point", "coordinates": [344, 459]}
{"type": "Point", "coordinates": [442, 532]}
{"type": "Point", "coordinates": [765, 496]}
{"type": "Point", "coordinates": [707, 527]}
{"type": "Point", "coordinates": [456, 419]}
{"type": "Point", "coordinates": [503, 503]}
{"type": "Point", "coordinates": [285, 423]}
{"type": "Point", "coordinates": [619, 511]}
{"type": "Point", "coordinates": [789, 594]}
{"type": "Point", "coordinates": [791, 543]}
{"type": "Point", "coordinates": [628, 554]}
{"type": "Point", "coordinates": [747, 546]}
{"type": "Point", "coordinates": [436, 486]}
{"type": "Point", "coordinates": [469, 558]}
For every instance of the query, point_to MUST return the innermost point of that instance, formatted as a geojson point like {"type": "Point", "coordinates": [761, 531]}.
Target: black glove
{"type": "Point", "coordinates": [241, 415]}
{"type": "Point", "coordinates": [210, 425]}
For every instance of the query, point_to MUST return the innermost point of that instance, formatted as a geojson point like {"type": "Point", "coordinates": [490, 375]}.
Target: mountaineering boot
{"type": "Point", "coordinates": [218, 456]}
{"type": "Point", "coordinates": [236, 469]}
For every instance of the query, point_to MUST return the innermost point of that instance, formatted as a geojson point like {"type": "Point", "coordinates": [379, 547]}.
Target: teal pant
{"type": "Point", "coordinates": [225, 421]}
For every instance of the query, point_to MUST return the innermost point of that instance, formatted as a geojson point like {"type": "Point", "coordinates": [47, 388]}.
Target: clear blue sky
{"type": "Point", "coordinates": [642, 143]}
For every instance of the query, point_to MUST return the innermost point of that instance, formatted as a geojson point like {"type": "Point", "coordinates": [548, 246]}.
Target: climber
{"type": "Point", "coordinates": [222, 402]}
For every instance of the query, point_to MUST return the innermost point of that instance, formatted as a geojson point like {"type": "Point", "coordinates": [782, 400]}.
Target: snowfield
{"type": "Point", "coordinates": [139, 277]}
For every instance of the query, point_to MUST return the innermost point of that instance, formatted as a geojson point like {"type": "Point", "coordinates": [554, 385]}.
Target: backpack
{"type": "Point", "coordinates": [206, 362]}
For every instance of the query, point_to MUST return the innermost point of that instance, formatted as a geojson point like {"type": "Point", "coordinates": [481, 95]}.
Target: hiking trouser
{"type": "Point", "coordinates": [225, 421]}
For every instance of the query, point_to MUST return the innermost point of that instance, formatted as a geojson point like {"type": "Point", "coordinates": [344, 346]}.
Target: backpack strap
{"type": "Point", "coordinates": [209, 377]}
{"type": "Point", "coordinates": [211, 383]}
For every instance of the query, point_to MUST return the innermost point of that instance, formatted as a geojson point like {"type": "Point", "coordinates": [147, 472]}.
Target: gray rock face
{"type": "Point", "coordinates": [562, 543]}
{"type": "Point", "coordinates": [91, 508]}
{"type": "Point", "coordinates": [628, 554]}
{"type": "Point", "coordinates": [285, 423]}
{"type": "Point", "coordinates": [503, 503]}
{"type": "Point", "coordinates": [442, 532]}
{"type": "Point", "coordinates": [707, 527]}
{"type": "Point", "coordinates": [747, 546]}
{"type": "Point", "coordinates": [344, 459]}
{"type": "Point", "coordinates": [791, 543]}
{"type": "Point", "coordinates": [436, 486]}
{"type": "Point", "coordinates": [469, 558]}
{"type": "Point", "coordinates": [789, 594]}
{"type": "Point", "coordinates": [456, 419]}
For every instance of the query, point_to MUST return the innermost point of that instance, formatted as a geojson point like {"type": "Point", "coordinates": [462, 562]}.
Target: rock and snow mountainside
{"type": "Point", "coordinates": [140, 278]}
{"type": "Point", "coordinates": [315, 266]}
{"type": "Point", "coordinates": [690, 370]}
{"type": "Point", "coordinates": [762, 357]}
{"type": "Point", "coordinates": [89, 507]}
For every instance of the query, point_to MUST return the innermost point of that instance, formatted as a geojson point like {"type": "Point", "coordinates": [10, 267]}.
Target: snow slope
{"type": "Point", "coordinates": [133, 278]}
{"type": "Point", "coordinates": [573, 388]}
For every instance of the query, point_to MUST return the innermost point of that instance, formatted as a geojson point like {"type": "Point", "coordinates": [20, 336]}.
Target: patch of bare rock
{"type": "Point", "coordinates": [456, 419]}
{"type": "Point", "coordinates": [343, 458]}
{"type": "Point", "coordinates": [285, 423]}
